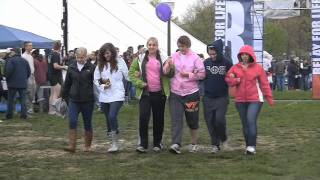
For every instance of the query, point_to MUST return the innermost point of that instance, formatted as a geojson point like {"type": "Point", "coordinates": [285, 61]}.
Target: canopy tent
{"type": "Point", "coordinates": [14, 38]}
{"type": "Point", "coordinates": [95, 22]}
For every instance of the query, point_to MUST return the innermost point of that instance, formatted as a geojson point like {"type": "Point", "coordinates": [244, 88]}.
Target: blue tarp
{"type": "Point", "coordinates": [14, 38]}
{"type": "Point", "coordinates": [3, 107]}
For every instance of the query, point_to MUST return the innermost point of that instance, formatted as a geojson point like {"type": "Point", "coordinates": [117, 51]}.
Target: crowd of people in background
{"type": "Point", "coordinates": [292, 74]}
{"type": "Point", "coordinates": [106, 80]}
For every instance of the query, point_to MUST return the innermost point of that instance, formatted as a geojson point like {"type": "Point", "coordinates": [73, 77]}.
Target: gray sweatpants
{"type": "Point", "coordinates": [31, 92]}
{"type": "Point", "coordinates": [215, 110]}
{"type": "Point", "coordinates": [187, 105]}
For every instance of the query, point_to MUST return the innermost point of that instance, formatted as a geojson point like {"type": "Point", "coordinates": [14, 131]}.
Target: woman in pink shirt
{"type": "Point", "coordinates": [146, 74]}
{"type": "Point", "coordinates": [184, 93]}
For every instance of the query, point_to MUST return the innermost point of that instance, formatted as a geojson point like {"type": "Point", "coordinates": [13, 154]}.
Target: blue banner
{"type": "Point", "coordinates": [315, 32]}
{"type": "Point", "coordinates": [236, 25]}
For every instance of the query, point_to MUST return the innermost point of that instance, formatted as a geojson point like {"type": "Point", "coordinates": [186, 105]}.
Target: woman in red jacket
{"type": "Point", "coordinates": [251, 84]}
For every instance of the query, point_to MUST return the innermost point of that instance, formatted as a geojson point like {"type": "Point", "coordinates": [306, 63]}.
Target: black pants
{"type": "Point", "coordinates": [155, 101]}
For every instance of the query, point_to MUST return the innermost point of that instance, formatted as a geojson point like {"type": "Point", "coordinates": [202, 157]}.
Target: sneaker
{"type": "Point", "coordinates": [251, 150]}
{"type": "Point", "coordinates": [175, 148]}
{"type": "Point", "coordinates": [141, 149]}
{"type": "Point", "coordinates": [215, 149]}
{"type": "Point", "coordinates": [225, 146]}
{"type": "Point", "coordinates": [114, 148]}
{"type": "Point", "coordinates": [193, 148]}
{"type": "Point", "coordinates": [51, 112]}
{"type": "Point", "coordinates": [30, 111]}
{"type": "Point", "coordinates": [156, 149]}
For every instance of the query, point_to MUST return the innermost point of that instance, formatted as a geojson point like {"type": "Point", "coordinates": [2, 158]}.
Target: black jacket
{"type": "Point", "coordinates": [17, 72]}
{"type": "Point", "coordinates": [292, 69]}
{"type": "Point", "coordinates": [214, 84]}
{"type": "Point", "coordinates": [78, 86]}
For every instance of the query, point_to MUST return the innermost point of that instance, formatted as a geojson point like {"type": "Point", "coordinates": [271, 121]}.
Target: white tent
{"type": "Point", "coordinates": [94, 22]}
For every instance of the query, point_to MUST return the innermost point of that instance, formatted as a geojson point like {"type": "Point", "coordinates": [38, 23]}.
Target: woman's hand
{"type": "Point", "coordinates": [106, 83]}
{"type": "Point", "coordinates": [169, 61]}
{"type": "Point", "coordinates": [137, 74]}
{"type": "Point", "coordinates": [232, 75]}
{"type": "Point", "coordinates": [107, 86]}
{"type": "Point", "coordinates": [184, 74]}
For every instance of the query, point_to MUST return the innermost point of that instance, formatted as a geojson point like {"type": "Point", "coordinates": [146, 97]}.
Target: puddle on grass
{"type": "Point", "coordinates": [71, 169]}
{"type": "Point", "coordinates": [270, 142]}
{"type": "Point", "coordinates": [26, 124]}
{"type": "Point", "coordinates": [22, 140]}
{"type": "Point", "coordinates": [34, 153]}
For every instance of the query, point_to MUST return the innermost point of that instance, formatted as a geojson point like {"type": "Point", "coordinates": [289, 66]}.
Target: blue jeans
{"type": "Point", "coordinates": [111, 111]}
{"type": "Point", "coordinates": [280, 82]}
{"type": "Point", "coordinates": [249, 112]}
{"type": "Point", "coordinates": [86, 108]}
{"type": "Point", "coordinates": [305, 82]}
{"type": "Point", "coordinates": [291, 82]}
{"type": "Point", "coordinates": [132, 92]}
{"type": "Point", "coordinates": [96, 96]}
{"type": "Point", "coordinates": [11, 98]}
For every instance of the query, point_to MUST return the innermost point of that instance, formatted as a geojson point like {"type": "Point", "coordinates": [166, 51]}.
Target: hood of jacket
{"type": "Point", "coordinates": [218, 46]}
{"type": "Point", "coordinates": [248, 50]}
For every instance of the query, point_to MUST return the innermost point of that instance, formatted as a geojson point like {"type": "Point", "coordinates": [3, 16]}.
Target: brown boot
{"type": "Point", "coordinates": [87, 141]}
{"type": "Point", "coordinates": [72, 141]}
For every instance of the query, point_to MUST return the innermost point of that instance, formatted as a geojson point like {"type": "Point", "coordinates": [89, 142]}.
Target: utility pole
{"type": "Point", "coordinates": [169, 38]}
{"type": "Point", "coordinates": [171, 5]}
{"type": "Point", "coordinates": [64, 27]}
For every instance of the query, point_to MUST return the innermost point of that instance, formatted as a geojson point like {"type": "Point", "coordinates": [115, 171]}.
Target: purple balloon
{"type": "Point", "coordinates": [163, 12]}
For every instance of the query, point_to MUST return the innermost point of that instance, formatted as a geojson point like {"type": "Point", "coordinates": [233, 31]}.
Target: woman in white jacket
{"type": "Point", "coordinates": [108, 77]}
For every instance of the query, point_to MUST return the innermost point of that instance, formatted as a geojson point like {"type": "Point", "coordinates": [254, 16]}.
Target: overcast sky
{"type": "Point", "coordinates": [94, 22]}
{"type": "Point", "coordinates": [181, 6]}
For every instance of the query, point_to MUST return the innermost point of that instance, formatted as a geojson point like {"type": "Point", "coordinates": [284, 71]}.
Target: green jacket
{"type": "Point", "coordinates": [138, 81]}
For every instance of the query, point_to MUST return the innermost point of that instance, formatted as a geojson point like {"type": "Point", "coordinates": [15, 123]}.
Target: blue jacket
{"type": "Point", "coordinates": [214, 83]}
{"type": "Point", "coordinates": [17, 72]}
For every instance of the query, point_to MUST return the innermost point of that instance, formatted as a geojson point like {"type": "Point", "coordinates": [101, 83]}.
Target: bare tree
{"type": "Point", "coordinates": [155, 2]}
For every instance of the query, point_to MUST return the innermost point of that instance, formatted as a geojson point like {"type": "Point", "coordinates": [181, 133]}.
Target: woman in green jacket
{"type": "Point", "coordinates": [147, 76]}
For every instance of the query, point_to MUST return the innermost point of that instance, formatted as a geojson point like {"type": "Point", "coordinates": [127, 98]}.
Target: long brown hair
{"type": "Point", "coordinates": [102, 61]}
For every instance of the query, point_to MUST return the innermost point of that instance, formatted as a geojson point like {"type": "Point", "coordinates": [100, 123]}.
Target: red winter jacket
{"type": "Point", "coordinates": [253, 83]}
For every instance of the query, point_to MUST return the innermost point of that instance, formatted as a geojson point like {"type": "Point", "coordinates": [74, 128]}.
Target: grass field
{"type": "Point", "coordinates": [288, 149]}
{"type": "Point", "coordinates": [292, 95]}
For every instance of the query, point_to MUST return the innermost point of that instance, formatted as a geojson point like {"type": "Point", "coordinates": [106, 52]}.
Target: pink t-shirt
{"type": "Point", "coordinates": [153, 74]}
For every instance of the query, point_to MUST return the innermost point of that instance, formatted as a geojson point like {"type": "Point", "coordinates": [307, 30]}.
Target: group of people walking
{"type": "Point", "coordinates": [157, 79]}
{"type": "Point", "coordinates": [177, 77]}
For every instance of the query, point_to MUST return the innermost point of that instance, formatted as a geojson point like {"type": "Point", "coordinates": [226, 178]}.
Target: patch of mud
{"type": "Point", "coordinates": [22, 140]}
{"type": "Point", "coordinates": [267, 141]}
{"type": "Point", "coordinates": [34, 153]}
{"type": "Point", "coordinates": [71, 169]}
{"type": "Point", "coordinates": [17, 125]}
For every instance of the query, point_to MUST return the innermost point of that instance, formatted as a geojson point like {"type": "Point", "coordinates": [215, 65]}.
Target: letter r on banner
{"type": "Point", "coordinates": [235, 27]}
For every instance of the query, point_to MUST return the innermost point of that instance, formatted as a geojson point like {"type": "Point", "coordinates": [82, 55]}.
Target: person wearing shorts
{"type": "Point", "coordinates": [55, 75]}
{"type": "Point", "coordinates": [184, 93]}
